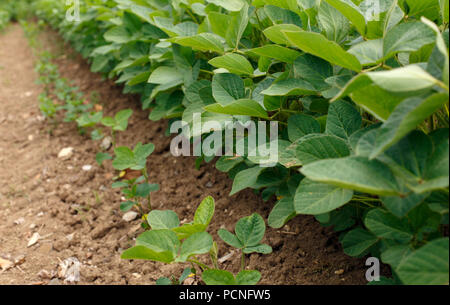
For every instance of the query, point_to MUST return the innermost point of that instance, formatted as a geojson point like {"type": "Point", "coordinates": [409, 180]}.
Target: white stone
{"type": "Point", "coordinates": [87, 167]}
{"type": "Point", "coordinates": [129, 216]}
{"type": "Point", "coordinates": [66, 153]}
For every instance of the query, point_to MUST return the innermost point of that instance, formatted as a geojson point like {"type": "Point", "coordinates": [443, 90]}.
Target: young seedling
{"type": "Point", "coordinates": [135, 189]}
{"type": "Point", "coordinates": [168, 242]}
{"type": "Point", "coordinates": [117, 123]}
{"type": "Point", "coordinates": [249, 233]}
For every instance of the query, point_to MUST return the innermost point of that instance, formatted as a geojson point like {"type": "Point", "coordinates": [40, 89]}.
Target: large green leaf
{"type": "Point", "coordinates": [319, 147]}
{"type": "Point", "coordinates": [197, 243]}
{"type": "Point", "coordinates": [342, 120]}
{"type": "Point", "coordinates": [316, 44]}
{"type": "Point", "coordinates": [227, 88]}
{"type": "Point", "coordinates": [142, 252]}
{"type": "Point", "coordinates": [276, 33]}
{"type": "Point", "coordinates": [277, 52]}
{"type": "Point", "coordinates": [218, 277]}
{"type": "Point", "coordinates": [163, 219]}
{"type": "Point", "coordinates": [300, 125]}
{"type": "Point", "coordinates": [281, 213]}
{"type": "Point", "coordinates": [204, 42]}
{"type": "Point", "coordinates": [357, 173]}
{"type": "Point", "coordinates": [248, 277]}
{"type": "Point", "coordinates": [405, 117]}
{"type": "Point", "coordinates": [335, 25]}
{"type": "Point", "coordinates": [385, 225]}
{"type": "Point", "coordinates": [358, 241]}
{"type": "Point", "coordinates": [166, 75]}
{"type": "Point", "coordinates": [245, 179]}
{"type": "Point", "coordinates": [118, 34]}
{"type": "Point", "coordinates": [426, 266]}
{"type": "Point", "coordinates": [314, 70]}
{"type": "Point", "coordinates": [234, 63]}
{"type": "Point", "coordinates": [316, 198]}
{"type": "Point", "coordinates": [407, 37]}
{"type": "Point", "coordinates": [352, 12]}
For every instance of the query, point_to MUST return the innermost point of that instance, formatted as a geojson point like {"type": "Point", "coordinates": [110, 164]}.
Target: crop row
{"type": "Point", "coordinates": [359, 90]}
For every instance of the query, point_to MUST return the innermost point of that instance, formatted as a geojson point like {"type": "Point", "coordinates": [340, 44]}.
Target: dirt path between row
{"type": "Point", "coordinates": [76, 214]}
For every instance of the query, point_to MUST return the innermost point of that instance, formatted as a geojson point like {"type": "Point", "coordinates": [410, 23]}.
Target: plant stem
{"type": "Point", "coordinates": [201, 265]}
{"type": "Point", "coordinates": [144, 172]}
{"type": "Point", "coordinates": [242, 261]}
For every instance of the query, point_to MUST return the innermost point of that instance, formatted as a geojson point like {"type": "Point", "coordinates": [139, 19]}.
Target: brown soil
{"type": "Point", "coordinates": [64, 202]}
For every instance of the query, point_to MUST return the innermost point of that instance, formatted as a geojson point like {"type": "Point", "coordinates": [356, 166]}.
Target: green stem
{"type": "Point", "coordinates": [242, 261]}
{"type": "Point", "coordinates": [201, 265]}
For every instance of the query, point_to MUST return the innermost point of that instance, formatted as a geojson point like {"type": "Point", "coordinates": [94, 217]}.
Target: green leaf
{"type": "Point", "coordinates": [281, 213]}
{"type": "Point", "coordinates": [227, 88]}
{"type": "Point", "coordinates": [204, 42]}
{"type": "Point", "coordinates": [395, 254]}
{"type": "Point", "coordinates": [405, 117]}
{"type": "Point", "coordinates": [163, 281]}
{"type": "Point", "coordinates": [205, 211]}
{"type": "Point", "coordinates": [245, 179]}
{"type": "Point", "coordinates": [230, 238]}
{"type": "Point", "coordinates": [121, 119]}
{"type": "Point", "coordinates": [188, 229]}
{"type": "Point", "coordinates": [386, 225]}
{"type": "Point", "coordinates": [141, 152]}
{"type": "Point", "coordinates": [126, 205]}
{"type": "Point", "coordinates": [117, 34]}
{"type": "Point", "coordinates": [318, 45]}
{"type": "Point", "coordinates": [156, 245]}
{"type": "Point", "coordinates": [166, 76]}
{"type": "Point", "coordinates": [236, 27]}
{"type": "Point", "coordinates": [290, 86]}
{"type": "Point", "coordinates": [279, 15]}
{"type": "Point", "coordinates": [335, 25]}
{"type": "Point", "coordinates": [277, 52]}
{"type": "Point", "coordinates": [142, 252]}
{"type": "Point", "coordinates": [407, 37]}
{"type": "Point", "coordinates": [250, 230]}
{"type": "Point", "coordinates": [420, 7]}
{"type": "Point", "coordinates": [218, 277]}
{"type": "Point", "coordinates": [234, 63]}
{"type": "Point", "coordinates": [313, 70]}
{"type": "Point", "coordinates": [230, 5]}
{"type": "Point", "coordinates": [100, 157]}
{"type": "Point", "coordinates": [426, 266]}
{"type": "Point", "coordinates": [342, 120]}
{"type": "Point", "coordinates": [401, 206]}
{"type": "Point", "coordinates": [436, 174]}
{"type": "Point", "coordinates": [316, 198]}
{"type": "Point", "coordinates": [368, 52]}
{"type": "Point", "coordinates": [159, 240]}
{"type": "Point", "coordinates": [239, 107]}
{"type": "Point", "coordinates": [261, 248]}
{"type": "Point", "coordinates": [197, 243]}
{"type": "Point", "coordinates": [319, 147]}
{"type": "Point", "coordinates": [352, 12]}
{"type": "Point", "coordinates": [167, 219]}
{"type": "Point", "coordinates": [358, 241]}
{"type": "Point", "coordinates": [248, 277]}
{"type": "Point", "coordinates": [276, 35]}
{"type": "Point", "coordinates": [300, 125]}
{"type": "Point", "coordinates": [357, 173]}
{"type": "Point", "coordinates": [124, 158]}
